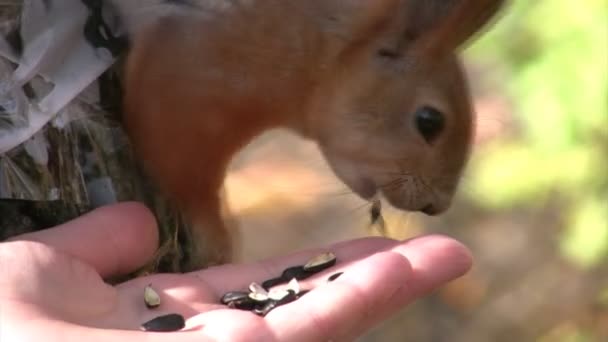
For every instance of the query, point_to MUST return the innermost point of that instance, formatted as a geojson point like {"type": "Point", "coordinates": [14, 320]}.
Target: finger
{"type": "Point", "coordinates": [371, 290]}
{"type": "Point", "coordinates": [238, 276]}
{"type": "Point", "coordinates": [115, 240]}
{"type": "Point", "coordinates": [435, 260]}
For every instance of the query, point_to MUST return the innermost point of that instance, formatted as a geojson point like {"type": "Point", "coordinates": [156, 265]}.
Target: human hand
{"type": "Point", "coordinates": [52, 287]}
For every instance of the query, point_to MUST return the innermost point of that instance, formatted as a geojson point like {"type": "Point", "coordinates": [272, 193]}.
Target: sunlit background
{"type": "Point", "coordinates": [533, 206]}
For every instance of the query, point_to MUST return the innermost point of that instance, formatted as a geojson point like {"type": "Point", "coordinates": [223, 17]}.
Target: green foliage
{"type": "Point", "coordinates": [553, 57]}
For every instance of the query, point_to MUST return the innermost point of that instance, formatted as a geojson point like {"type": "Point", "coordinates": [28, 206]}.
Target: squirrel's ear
{"type": "Point", "coordinates": [439, 26]}
{"type": "Point", "coordinates": [359, 20]}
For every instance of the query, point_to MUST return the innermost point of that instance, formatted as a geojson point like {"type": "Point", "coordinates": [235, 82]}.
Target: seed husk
{"type": "Point", "coordinates": [257, 288]}
{"type": "Point", "coordinates": [151, 297]}
{"type": "Point", "coordinates": [334, 276]}
{"type": "Point", "coordinates": [165, 323]}
{"type": "Point", "coordinates": [376, 218]}
{"type": "Point", "coordinates": [320, 262]}
{"type": "Point", "coordinates": [273, 304]}
{"type": "Point", "coordinates": [290, 297]}
{"type": "Point", "coordinates": [258, 293]}
{"type": "Point", "coordinates": [259, 297]}
{"type": "Point", "coordinates": [275, 294]}
{"type": "Point", "coordinates": [294, 285]}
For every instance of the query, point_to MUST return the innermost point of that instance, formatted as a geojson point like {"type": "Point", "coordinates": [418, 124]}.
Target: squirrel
{"type": "Point", "coordinates": [377, 84]}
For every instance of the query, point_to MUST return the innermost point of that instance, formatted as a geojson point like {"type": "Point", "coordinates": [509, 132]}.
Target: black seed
{"type": "Point", "coordinates": [335, 276]}
{"type": "Point", "coordinates": [273, 282]}
{"type": "Point", "coordinates": [166, 323]}
{"type": "Point", "coordinates": [297, 272]}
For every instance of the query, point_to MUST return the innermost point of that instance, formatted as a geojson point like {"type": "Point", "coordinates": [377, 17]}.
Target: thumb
{"type": "Point", "coordinates": [115, 240]}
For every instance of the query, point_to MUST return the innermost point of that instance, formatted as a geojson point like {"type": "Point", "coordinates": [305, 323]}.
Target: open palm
{"type": "Point", "coordinates": [52, 286]}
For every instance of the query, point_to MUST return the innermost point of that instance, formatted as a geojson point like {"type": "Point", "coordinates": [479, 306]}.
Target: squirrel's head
{"type": "Point", "coordinates": [393, 112]}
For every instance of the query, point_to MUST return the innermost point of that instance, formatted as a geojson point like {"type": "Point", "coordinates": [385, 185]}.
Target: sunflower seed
{"type": "Point", "coordinates": [297, 272]}
{"type": "Point", "coordinates": [261, 299]}
{"type": "Point", "coordinates": [166, 323]}
{"type": "Point", "coordinates": [273, 282]}
{"type": "Point", "coordinates": [151, 297]}
{"type": "Point", "coordinates": [320, 262]}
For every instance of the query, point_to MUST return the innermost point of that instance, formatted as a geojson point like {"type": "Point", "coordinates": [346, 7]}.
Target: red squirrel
{"type": "Point", "coordinates": [377, 84]}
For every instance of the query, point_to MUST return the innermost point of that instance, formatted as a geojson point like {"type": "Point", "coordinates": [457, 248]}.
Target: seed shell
{"type": "Point", "coordinates": [277, 294]}
{"type": "Point", "coordinates": [257, 288]}
{"type": "Point", "coordinates": [166, 323]}
{"type": "Point", "coordinates": [273, 304]}
{"type": "Point", "coordinates": [259, 297]}
{"type": "Point", "coordinates": [294, 285]}
{"type": "Point", "coordinates": [290, 297]}
{"type": "Point", "coordinates": [151, 297]}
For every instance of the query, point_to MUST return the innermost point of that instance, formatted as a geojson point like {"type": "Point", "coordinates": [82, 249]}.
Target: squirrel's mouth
{"type": "Point", "coordinates": [359, 178]}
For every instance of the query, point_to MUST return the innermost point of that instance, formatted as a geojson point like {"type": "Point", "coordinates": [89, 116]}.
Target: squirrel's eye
{"type": "Point", "coordinates": [429, 122]}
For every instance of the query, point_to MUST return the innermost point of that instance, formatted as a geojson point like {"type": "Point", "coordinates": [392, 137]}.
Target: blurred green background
{"type": "Point", "coordinates": [533, 206]}
{"type": "Point", "coordinates": [552, 57]}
